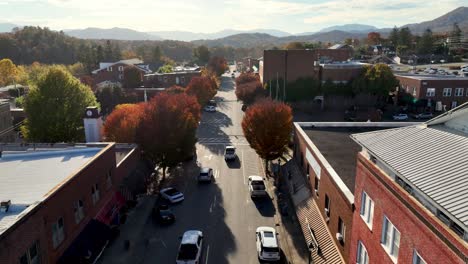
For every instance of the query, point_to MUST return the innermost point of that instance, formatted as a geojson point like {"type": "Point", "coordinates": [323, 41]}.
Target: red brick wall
{"type": "Point", "coordinates": [414, 234]}
{"type": "Point", "coordinates": [38, 226]}
{"type": "Point", "coordinates": [340, 207]}
{"type": "Point", "coordinates": [113, 76]}
{"type": "Point", "coordinates": [422, 85]}
{"type": "Point", "coordinates": [342, 75]}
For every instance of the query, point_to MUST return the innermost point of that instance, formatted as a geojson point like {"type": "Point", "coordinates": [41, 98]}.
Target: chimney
{"type": "Point", "coordinates": [92, 124]}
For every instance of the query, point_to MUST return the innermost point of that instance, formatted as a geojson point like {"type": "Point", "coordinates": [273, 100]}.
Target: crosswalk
{"type": "Point", "coordinates": [233, 140]}
{"type": "Point", "coordinates": [215, 121]}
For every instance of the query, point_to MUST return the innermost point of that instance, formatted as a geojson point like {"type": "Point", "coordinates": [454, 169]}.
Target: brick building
{"type": "Point", "coordinates": [6, 125]}
{"type": "Point", "coordinates": [166, 80]}
{"type": "Point", "coordinates": [55, 199]}
{"type": "Point", "coordinates": [435, 91]}
{"type": "Point", "coordinates": [326, 157]}
{"type": "Point", "coordinates": [411, 193]}
{"type": "Point", "coordinates": [113, 73]}
{"type": "Point", "coordinates": [290, 65]}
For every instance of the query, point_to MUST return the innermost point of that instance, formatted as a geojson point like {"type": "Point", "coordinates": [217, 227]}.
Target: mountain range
{"type": "Point", "coordinates": [249, 38]}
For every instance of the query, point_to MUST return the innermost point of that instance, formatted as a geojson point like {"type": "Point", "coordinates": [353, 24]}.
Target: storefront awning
{"type": "Point", "coordinates": [111, 209]}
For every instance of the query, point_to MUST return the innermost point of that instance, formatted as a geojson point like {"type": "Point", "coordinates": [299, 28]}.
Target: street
{"type": "Point", "coordinates": [223, 209]}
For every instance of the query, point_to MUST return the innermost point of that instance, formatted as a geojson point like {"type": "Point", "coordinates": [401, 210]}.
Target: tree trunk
{"type": "Point", "coordinates": [266, 167]}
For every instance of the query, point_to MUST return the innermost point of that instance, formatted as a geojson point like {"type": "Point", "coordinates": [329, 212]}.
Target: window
{"type": "Point", "coordinates": [159, 78]}
{"type": "Point", "coordinates": [32, 255]}
{"type": "Point", "coordinates": [182, 80]}
{"type": "Point", "coordinates": [120, 68]}
{"type": "Point", "coordinates": [459, 91]}
{"type": "Point", "coordinates": [341, 228]}
{"type": "Point", "coordinates": [78, 210]}
{"type": "Point", "coordinates": [121, 76]}
{"type": "Point", "coordinates": [316, 185]}
{"type": "Point", "coordinates": [109, 179]}
{"type": "Point", "coordinates": [327, 206]}
{"type": "Point", "coordinates": [57, 232]}
{"type": "Point", "coordinates": [95, 193]}
{"type": "Point", "coordinates": [367, 209]}
{"type": "Point", "coordinates": [362, 256]}
{"type": "Point", "coordinates": [414, 91]}
{"type": "Point", "coordinates": [390, 239]}
{"type": "Point", "coordinates": [165, 79]}
{"type": "Point", "coordinates": [447, 92]}
{"type": "Point", "coordinates": [417, 259]}
{"type": "Point", "coordinates": [430, 92]}
{"type": "Point", "coordinates": [177, 81]}
{"type": "Point", "coordinates": [109, 69]}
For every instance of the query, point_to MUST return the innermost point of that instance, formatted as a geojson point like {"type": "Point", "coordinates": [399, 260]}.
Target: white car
{"type": "Point", "coordinates": [400, 117]}
{"type": "Point", "coordinates": [257, 187]}
{"type": "Point", "coordinates": [172, 195]}
{"type": "Point", "coordinates": [206, 174]}
{"type": "Point", "coordinates": [229, 153]}
{"type": "Point", "coordinates": [267, 244]}
{"type": "Point", "coordinates": [210, 108]}
{"type": "Point", "coordinates": [191, 247]}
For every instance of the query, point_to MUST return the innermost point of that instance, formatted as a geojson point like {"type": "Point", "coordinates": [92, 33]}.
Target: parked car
{"type": "Point", "coordinates": [233, 75]}
{"type": "Point", "coordinates": [205, 175]}
{"type": "Point", "coordinates": [191, 247]}
{"type": "Point", "coordinates": [400, 117]}
{"type": "Point", "coordinates": [424, 116]}
{"type": "Point", "coordinates": [212, 102]}
{"type": "Point", "coordinates": [229, 153]}
{"type": "Point", "coordinates": [210, 108]}
{"type": "Point", "coordinates": [267, 244]}
{"type": "Point", "coordinates": [432, 72]}
{"type": "Point", "coordinates": [172, 195]}
{"type": "Point", "coordinates": [257, 187]}
{"type": "Point", "coordinates": [163, 214]}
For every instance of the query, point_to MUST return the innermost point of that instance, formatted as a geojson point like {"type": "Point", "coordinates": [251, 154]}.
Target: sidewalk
{"type": "Point", "coordinates": [290, 234]}
{"type": "Point", "coordinates": [132, 230]}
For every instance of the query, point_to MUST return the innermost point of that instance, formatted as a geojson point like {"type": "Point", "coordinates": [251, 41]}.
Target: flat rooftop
{"type": "Point", "coordinates": [433, 77]}
{"type": "Point", "coordinates": [28, 175]}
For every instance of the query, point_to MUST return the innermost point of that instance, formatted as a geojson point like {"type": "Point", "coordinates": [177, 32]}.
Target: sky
{"type": "Point", "coordinates": [293, 16]}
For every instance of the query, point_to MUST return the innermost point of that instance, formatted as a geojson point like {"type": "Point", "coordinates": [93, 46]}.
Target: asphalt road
{"type": "Point", "coordinates": [222, 210]}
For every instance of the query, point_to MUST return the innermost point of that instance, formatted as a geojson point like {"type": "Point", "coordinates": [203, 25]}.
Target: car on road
{"type": "Point", "coordinates": [267, 244]}
{"type": "Point", "coordinates": [205, 175]}
{"type": "Point", "coordinates": [424, 116]}
{"type": "Point", "coordinates": [163, 214]}
{"type": "Point", "coordinates": [400, 117]}
{"type": "Point", "coordinates": [172, 195]}
{"type": "Point", "coordinates": [229, 153]}
{"type": "Point", "coordinates": [257, 187]}
{"type": "Point", "coordinates": [210, 108]}
{"type": "Point", "coordinates": [233, 75]}
{"type": "Point", "coordinates": [191, 247]}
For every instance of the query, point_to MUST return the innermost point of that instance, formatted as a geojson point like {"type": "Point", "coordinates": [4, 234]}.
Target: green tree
{"type": "Point", "coordinates": [132, 77]}
{"type": "Point", "coordinates": [426, 43]}
{"type": "Point", "coordinates": [405, 38]}
{"type": "Point", "coordinates": [394, 36]}
{"type": "Point", "coordinates": [54, 108]}
{"type": "Point", "coordinates": [375, 80]}
{"type": "Point", "coordinates": [202, 55]}
{"type": "Point", "coordinates": [167, 68]}
{"type": "Point", "coordinates": [156, 55]}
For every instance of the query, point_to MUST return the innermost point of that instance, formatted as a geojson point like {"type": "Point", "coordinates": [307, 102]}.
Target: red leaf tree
{"type": "Point", "coordinates": [175, 89]}
{"type": "Point", "coordinates": [218, 65]}
{"type": "Point", "coordinates": [121, 124]}
{"type": "Point", "coordinates": [267, 126]}
{"type": "Point", "coordinates": [373, 38]}
{"type": "Point", "coordinates": [247, 77]}
{"type": "Point", "coordinates": [167, 130]}
{"type": "Point", "coordinates": [250, 91]}
{"type": "Point", "coordinates": [202, 88]}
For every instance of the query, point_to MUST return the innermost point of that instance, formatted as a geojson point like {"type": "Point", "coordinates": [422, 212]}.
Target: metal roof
{"type": "Point", "coordinates": [432, 158]}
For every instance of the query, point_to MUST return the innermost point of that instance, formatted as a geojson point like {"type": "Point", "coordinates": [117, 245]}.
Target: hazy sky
{"type": "Point", "coordinates": [293, 16]}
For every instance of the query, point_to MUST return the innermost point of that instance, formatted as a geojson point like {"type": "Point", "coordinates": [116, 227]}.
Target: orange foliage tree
{"type": "Point", "coordinates": [167, 130]}
{"type": "Point", "coordinates": [267, 126]}
{"type": "Point", "coordinates": [203, 88]}
{"type": "Point", "coordinates": [121, 124]}
{"type": "Point", "coordinates": [218, 65]}
{"type": "Point", "coordinates": [373, 38]}
{"type": "Point", "coordinates": [247, 77]}
{"type": "Point", "coordinates": [250, 91]}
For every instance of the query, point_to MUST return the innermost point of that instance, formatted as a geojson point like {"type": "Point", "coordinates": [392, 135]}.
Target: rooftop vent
{"type": "Point", "coordinates": [5, 205]}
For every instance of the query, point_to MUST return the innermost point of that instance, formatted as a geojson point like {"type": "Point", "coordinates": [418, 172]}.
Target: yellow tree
{"type": "Point", "coordinates": [8, 72]}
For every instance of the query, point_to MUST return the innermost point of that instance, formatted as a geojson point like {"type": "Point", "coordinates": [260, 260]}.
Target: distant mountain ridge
{"type": "Point", "coordinates": [360, 28]}
{"type": "Point", "coordinates": [443, 23]}
{"type": "Point", "coordinates": [191, 36]}
{"type": "Point", "coordinates": [110, 33]}
{"type": "Point", "coordinates": [7, 27]}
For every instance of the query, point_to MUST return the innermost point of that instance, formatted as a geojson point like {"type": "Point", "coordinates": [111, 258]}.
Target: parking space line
{"type": "Point", "coordinates": [207, 254]}
{"type": "Point", "coordinates": [243, 166]}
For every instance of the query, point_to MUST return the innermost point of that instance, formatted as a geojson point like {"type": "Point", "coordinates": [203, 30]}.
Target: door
{"type": "Point", "coordinates": [454, 104]}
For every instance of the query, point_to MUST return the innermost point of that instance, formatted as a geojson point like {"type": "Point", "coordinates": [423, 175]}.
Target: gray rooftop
{"type": "Point", "coordinates": [28, 177]}
{"type": "Point", "coordinates": [434, 158]}
{"type": "Point", "coordinates": [433, 77]}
